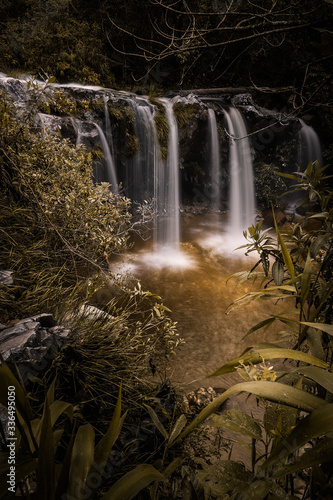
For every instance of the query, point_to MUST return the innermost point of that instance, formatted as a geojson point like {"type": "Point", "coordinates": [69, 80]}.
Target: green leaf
{"type": "Point", "coordinates": [273, 391]}
{"type": "Point", "coordinates": [82, 459]}
{"type": "Point", "coordinates": [317, 424]}
{"type": "Point", "coordinates": [278, 272]}
{"type": "Point", "coordinates": [285, 254]}
{"type": "Point", "coordinates": [319, 326]}
{"type": "Point", "coordinates": [133, 482]}
{"type": "Point", "coordinates": [320, 453]}
{"type": "Point", "coordinates": [322, 377]}
{"type": "Point", "coordinates": [7, 379]}
{"type": "Point", "coordinates": [57, 408]}
{"type": "Point", "coordinates": [157, 422]}
{"type": "Point", "coordinates": [104, 447]}
{"type": "Point", "coordinates": [266, 322]}
{"type": "Point", "coordinates": [259, 489]}
{"type": "Point", "coordinates": [177, 462]}
{"type": "Point", "coordinates": [238, 421]}
{"type": "Point", "coordinates": [259, 355]}
{"type": "Point", "coordinates": [318, 243]}
{"type": "Point", "coordinates": [306, 280]}
{"type": "Point", "coordinates": [45, 472]}
{"type": "Point", "coordinates": [178, 427]}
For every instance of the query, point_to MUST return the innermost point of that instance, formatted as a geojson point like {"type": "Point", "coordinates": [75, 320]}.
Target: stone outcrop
{"type": "Point", "coordinates": [32, 343]}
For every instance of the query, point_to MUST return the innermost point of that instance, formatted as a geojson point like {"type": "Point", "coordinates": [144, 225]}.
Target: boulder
{"type": "Point", "coordinates": [32, 343]}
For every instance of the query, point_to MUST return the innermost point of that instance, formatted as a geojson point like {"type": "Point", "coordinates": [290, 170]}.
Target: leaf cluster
{"type": "Point", "coordinates": [56, 225]}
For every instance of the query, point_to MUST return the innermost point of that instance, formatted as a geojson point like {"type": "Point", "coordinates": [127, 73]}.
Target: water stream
{"type": "Point", "coordinates": [309, 147]}
{"type": "Point", "coordinates": [242, 200]}
{"type": "Point", "coordinates": [111, 169]}
{"type": "Point", "coordinates": [214, 163]}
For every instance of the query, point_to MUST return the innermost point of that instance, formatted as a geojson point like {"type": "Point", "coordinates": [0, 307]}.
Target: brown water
{"type": "Point", "coordinates": [198, 297]}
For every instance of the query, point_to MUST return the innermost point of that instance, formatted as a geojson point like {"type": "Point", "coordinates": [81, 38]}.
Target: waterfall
{"type": "Point", "coordinates": [214, 159]}
{"type": "Point", "coordinates": [309, 147]}
{"type": "Point", "coordinates": [108, 129]}
{"type": "Point", "coordinates": [111, 169]}
{"type": "Point", "coordinates": [167, 188]}
{"type": "Point", "coordinates": [242, 199]}
{"type": "Point", "coordinates": [141, 168]}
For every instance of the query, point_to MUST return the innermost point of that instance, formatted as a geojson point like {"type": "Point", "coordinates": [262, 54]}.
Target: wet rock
{"type": "Point", "coordinates": [6, 277]}
{"type": "Point", "coordinates": [33, 343]}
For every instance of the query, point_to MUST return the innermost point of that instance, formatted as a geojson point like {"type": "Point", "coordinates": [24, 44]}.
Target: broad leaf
{"type": "Point", "coordinates": [45, 472]}
{"type": "Point", "coordinates": [82, 459]}
{"type": "Point", "coordinates": [157, 422]}
{"type": "Point", "coordinates": [273, 391]}
{"type": "Point", "coordinates": [285, 254]}
{"type": "Point", "coordinates": [238, 421]}
{"type": "Point", "coordinates": [133, 482]}
{"type": "Point", "coordinates": [177, 428]}
{"type": "Point", "coordinates": [259, 355]}
{"type": "Point", "coordinates": [259, 489]}
{"type": "Point", "coordinates": [320, 326]}
{"type": "Point", "coordinates": [322, 377]}
{"type": "Point", "coordinates": [306, 280]}
{"type": "Point", "coordinates": [317, 424]}
{"type": "Point", "coordinates": [278, 272]}
{"type": "Point", "coordinates": [318, 454]}
{"type": "Point", "coordinates": [265, 323]}
{"type": "Point", "coordinates": [104, 447]}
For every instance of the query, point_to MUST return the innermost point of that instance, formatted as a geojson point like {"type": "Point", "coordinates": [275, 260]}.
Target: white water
{"type": "Point", "coordinates": [140, 169]}
{"type": "Point", "coordinates": [167, 188]}
{"type": "Point", "coordinates": [108, 129]}
{"type": "Point", "coordinates": [309, 148]}
{"type": "Point", "coordinates": [242, 199]}
{"type": "Point", "coordinates": [214, 159]}
{"type": "Point", "coordinates": [111, 170]}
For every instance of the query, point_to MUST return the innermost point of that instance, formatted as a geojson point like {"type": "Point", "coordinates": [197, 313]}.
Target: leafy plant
{"type": "Point", "coordinates": [56, 226]}
{"type": "Point", "coordinates": [293, 439]}
{"type": "Point", "coordinates": [63, 455]}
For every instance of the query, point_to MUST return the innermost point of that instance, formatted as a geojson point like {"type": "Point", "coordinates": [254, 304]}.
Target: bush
{"type": "Point", "coordinates": [56, 225]}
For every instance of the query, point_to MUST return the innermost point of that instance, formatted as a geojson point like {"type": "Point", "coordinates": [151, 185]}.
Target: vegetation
{"type": "Point", "coordinates": [162, 126]}
{"type": "Point", "coordinates": [58, 233]}
{"type": "Point", "coordinates": [57, 227]}
{"type": "Point", "coordinates": [62, 454]}
{"type": "Point", "coordinates": [290, 448]}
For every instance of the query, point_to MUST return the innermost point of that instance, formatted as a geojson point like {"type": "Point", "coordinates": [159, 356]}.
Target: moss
{"type": "Point", "coordinates": [185, 113]}
{"type": "Point", "coordinates": [162, 126]}
{"type": "Point", "coordinates": [132, 145]}
{"type": "Point", "coordinates": [122, 117]}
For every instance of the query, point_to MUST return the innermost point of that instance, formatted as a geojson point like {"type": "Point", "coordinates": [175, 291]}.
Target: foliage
{"type": "Point", "coordinates": [123, 122]}
{"type": "Point", "coordinates": [268, 186]}
{"type": "Point", "coordinates": [290, 448]}
{"type": "Point", "coordinates": [56, 225]}
{"type": "Point", "coordinates": [184, 113]}
{"type": "Point", "coordinates": [162, 126]}
{"type": "Point", "coordinates": [49, 37]}
{"type": "Point", "coordinates": [64, 455]}
{"type": "Point", "coordinates": [127, 339]}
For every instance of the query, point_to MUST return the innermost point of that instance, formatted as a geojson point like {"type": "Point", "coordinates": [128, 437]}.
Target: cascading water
{"type": "Point", "coordinates": [309, 147]}
{"type": "Point", "coordinates": [111, 169]}
{"type": "Point", "coordinates": [167, 188]}
{"type": "Point", "coordinates": [141, 168]}
{"type": "Point", "coordinates": [108, 129]}
{"type": "Point", "coordinates": [242, 199]}
{"type": "Point", "coordinates": [214, 162]}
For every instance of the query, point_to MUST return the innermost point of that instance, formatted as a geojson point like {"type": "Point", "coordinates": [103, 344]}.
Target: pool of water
{"type": "Point", "coordinates": [192, 282]}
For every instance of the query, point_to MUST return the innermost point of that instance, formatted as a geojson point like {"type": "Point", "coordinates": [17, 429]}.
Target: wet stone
{"type": "Point", "coordinates": [32, 343]}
